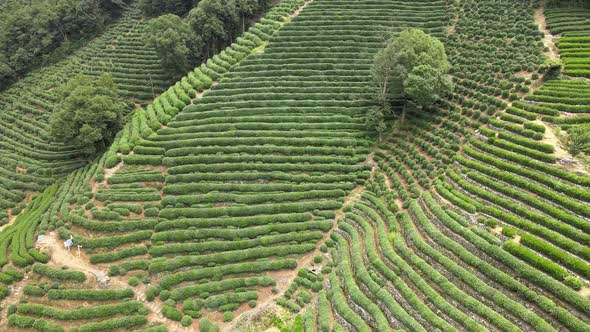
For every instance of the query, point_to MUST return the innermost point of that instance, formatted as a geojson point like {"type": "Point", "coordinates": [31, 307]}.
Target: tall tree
{"type": "Point", "coordinates": [412, 68]}
{"type": "Point", "coordinates": [156, 8]}
{"type": "Point", "coordinates": [171, 37]}
{"type": "Point", "coordinates": [31, 30]}
{"type": "Point", "coordinates": [90, 113]}
{"type": "Point", "coordinates": [206, 20]}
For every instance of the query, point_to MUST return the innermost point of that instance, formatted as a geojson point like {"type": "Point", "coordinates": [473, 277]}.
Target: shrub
{"type": "Point", "coordinates": [33, 290]}
{"type": "Point", "coordinates": [133, 281]}
{"type": "Point", "coordinates": [228, 316]}
{"type": "Point", "coordinates": [56, 274]}
{"type": "Point", "coordinates": [171, 313]}
{"type": "Point", "coordinates": [89, 294]}
{"type": "Point", "coordinates": [205, 325]}
{"type": "Point", "coordinates": [186, 320]}
{"type": "Point", "coordinates": [573, 282]}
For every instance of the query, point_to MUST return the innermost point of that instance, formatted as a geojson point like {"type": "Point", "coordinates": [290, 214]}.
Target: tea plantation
{"type": "Point", "coordinates": [250, 194]}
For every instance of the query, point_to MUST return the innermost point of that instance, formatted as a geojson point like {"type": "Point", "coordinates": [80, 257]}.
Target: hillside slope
{"type": "Point", "coordinates": [250, 195]}
{"type": "Point", "coordinates": [29, 160]}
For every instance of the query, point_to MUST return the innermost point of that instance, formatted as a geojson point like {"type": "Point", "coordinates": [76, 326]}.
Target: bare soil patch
{"type": "Point", "coordinates": [548, 39]}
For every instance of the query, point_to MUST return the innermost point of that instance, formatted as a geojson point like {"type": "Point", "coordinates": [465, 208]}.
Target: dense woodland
{"type": "Point", "coordinates": [31, 31]}
{"type": "Point", "coordinates": [299, 165]}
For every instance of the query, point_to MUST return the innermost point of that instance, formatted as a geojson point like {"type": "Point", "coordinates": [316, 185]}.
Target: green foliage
{"type": "Point", "coordinates": [170, 36]}
{"type": "Point", "coordinates": [412, 67]}
{"type": "Point", "coordinates": [89, 294]}
{"type": "Point", "coordinates": [186, 320]}
{"type": "Point", "coordinates": [31, 31]}
{"type": "Point", "coordinates": [58, 274]}
{"type": "Point", "coordinates": [172, 313]}
{"type": "Point", "coordinates": [228, 316]}
{"type": "Point", "coordinates": [205, 325]}
{"type": "Point", "coordinates": [577, 139]}
{"type": "Point", "coordinates": [159, 7]}
{"type": "Point", "coordinates": [133, 281]}
{"type": "Point", "coordinates": [90, 113]}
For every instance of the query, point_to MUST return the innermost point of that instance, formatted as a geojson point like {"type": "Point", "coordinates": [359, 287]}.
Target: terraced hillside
{"type": "Point", "coordinates": [572, 26]}
{"type": "Point", "coordinates": [29, 161]}
{"type": "Point", "coordinates": [499, 242]}
{"type": "Point", "coordinates": [249, 194]}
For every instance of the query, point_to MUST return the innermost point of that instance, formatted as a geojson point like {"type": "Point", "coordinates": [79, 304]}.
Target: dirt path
{"type": "Point", "coordinates": [12, 298]}
{"type": "Point", "coordinates": [109, 172]}
{"type": "Point", "coordinates": [564, 159]}
{"type": "Point", "coordinates": [541, 22]}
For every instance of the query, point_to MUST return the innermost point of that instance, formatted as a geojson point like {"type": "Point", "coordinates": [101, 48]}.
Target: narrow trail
{"type": "Point", "coordinates": [155, 307]}
{"type": "Point", "coordinates": [109, 172]}
{"type": "Point", "coordinates": [12, 298]}
{"type": "Point", "coordinates": [548, 39]}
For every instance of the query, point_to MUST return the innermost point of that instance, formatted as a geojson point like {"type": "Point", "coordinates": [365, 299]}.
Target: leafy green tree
{"type": "Point", "coordinates": [207, 21]}
{"type": "Point", "coordinates": [30, 31]}
{"type": "Point", "coordinates": [171, 37]}
{"type": "Point", "coordinates": [246, 8]}
{"type": "Point", "coordinates": [90, 113]}
{"type": "Point", "coordinates": [412, 68]}
{"type": "Point", "coordinates": [7, 75]}
{"type": "Point", "coordinates": [158, 7]}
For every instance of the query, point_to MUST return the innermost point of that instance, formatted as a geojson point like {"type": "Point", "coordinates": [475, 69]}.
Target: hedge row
{"type": "Point", "coordinates": [120, 226]}
{"type": "Point", "coordinates": [498, 298]}
{"type": "Point", "coordinates": [360, 272]}
{"type": "Point", "coordinates": [25, 322]}
{"type": "Point", "coordinates": [527, 185]}
{"type": "Point", "coordinates": [58, 274]}
{"type": "Point", "coordinates": [236, 211]}
{"type": "Point", "coordinates": [571, 262]}
{"type": "Point", "coordinates": [551, 236]}
{"type": "Point", "coordinates": [340, 305]}
{"type": "Point", "coordinates": [228, 257]}
{"type": "Point", "coordinates": [125, 308]}
{"type": "Point", "coordinates": [116, 323]}
{"type": "Point", "coordinates": [89, 294]}
{"type": "Point", "coordinates": [531, 200]}
{"type": "Point", "coordinates": [236, 244]}
{"type": "Point", "coordinates": [236, 234]}
{"type": "Point", "coordinates": [227, 222]}
{"type": "Point", "coordinates": [535, 260]}
{"type": "Point", "coordinates": [449, 288]}
{"type": "Point", "coordinates": [182, 293]}
{"type": "Point", "coordinates": [563, 315]}
{"type": "Point", "coordinates": [169, 281]}
{"type": "Point", "coordinates": [108, 257]}
{"type": "Point", "coordinates": [570, 190]}
{"type": "Point", "coordinates": [382, 237]}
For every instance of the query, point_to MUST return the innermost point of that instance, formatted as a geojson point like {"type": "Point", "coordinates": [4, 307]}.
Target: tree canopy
{"type": "Point", "coordinates": [171, 37]}
{"type": "Point", "coordinates": [159, 7]}
{"type": "Point", "coordinates": [31, 30]}
{"type": "Point", "coordinates": [90, 113]}
{"type": "Point", "coordinates": [411, 68]}
{"type": "Point", "coordinates": [217, 22]}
